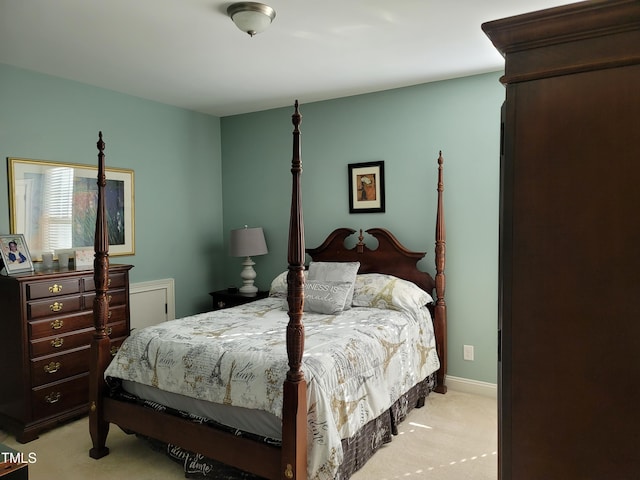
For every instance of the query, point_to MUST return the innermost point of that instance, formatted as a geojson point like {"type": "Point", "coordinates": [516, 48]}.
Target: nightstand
{"type": "Point", "coordinates": [225, 299]}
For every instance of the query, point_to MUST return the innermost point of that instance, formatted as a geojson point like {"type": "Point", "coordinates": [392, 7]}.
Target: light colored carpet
{"type": "Point", "coordinates": [454, 437]}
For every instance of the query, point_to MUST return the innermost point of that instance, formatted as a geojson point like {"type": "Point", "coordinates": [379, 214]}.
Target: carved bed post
{"type": "Point", "coordinates": [294, 408]}
{"type": "Point", "coordinates": [441, 307]}
{"type": "Point", "coordinates": [100, 354]}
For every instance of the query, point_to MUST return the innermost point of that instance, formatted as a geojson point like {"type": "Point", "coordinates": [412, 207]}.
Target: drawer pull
{"type": "Point", "coordinates": [108, 282]}
{"type": "Point", "coordinates": [53, 397]}
{"type": "Point", "coordinates": [109, 298]}
{"type": "Point", "coordinates": [109, 314]}
{"type": "Point", "coordinates": [109, 330]}
{"type": "Point", "coordinates": [53, 367]}
{"type": "Point", "coordinates": [57, 343]}
{"type": "Point", "coordinates": [57, 324]}
{"type": "Point", "coordinates": [288, 472]}
{"type": "Point", "coordinates": [56, 307]}
{"type": "Point", "coordinates": [55, 288]}
{"type": "Point", "coordinates": [114, 350]}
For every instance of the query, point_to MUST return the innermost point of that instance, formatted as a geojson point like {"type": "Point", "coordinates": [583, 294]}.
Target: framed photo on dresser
{"type": "Point", "coordinates": [15, 254]}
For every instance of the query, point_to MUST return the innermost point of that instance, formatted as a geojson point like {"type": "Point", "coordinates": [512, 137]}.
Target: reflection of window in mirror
{"type": "Point", "coordinates": [56, 216]}
{"type": "Point", "coordinates": [45, 216]}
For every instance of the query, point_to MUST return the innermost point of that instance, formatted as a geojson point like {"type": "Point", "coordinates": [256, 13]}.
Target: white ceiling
{"type": "Point", "coordinates": [189, 54]}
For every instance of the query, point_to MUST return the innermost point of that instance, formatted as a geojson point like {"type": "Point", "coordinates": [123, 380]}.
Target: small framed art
{"type": "Point", "coordinates": [366, 187]}
{"type": "Point", "coordinates": [15, 254]}
{"type": "Point", "coordinates": [84, 258]}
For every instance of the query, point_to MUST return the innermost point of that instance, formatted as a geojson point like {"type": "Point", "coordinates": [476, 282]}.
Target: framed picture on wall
{"type": "Point", "coordinates": [366, 187]}
{"type": "Point", "coordinates": [15, 254]}
{"type": "Point", "coordinates": [54, 205]}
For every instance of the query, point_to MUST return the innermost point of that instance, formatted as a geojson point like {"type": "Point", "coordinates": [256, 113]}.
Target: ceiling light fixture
{"type": "Point", "coordinates": [251, 17]}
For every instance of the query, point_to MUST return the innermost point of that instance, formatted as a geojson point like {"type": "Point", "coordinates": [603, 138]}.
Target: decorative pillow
{"type": "Point", "coordinates": [279, 284]}
{"type": "Point", "coordinates": [323, 296]}
{"type": "Point", "coordinates": [336, 272]}
{"type": "Point", "coordinates": [388, 292]}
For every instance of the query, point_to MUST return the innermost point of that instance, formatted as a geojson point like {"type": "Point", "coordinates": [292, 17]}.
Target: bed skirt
{"type": "Point", "coordinates": [356, 450]}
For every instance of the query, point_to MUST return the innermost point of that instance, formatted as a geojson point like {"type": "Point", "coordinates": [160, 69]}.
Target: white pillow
{"type": "Point", "coordinates": [388, 292]}
{"type": "Point", "coordinates": [336, 272]}
{"type": "Point", "coordinates": [279, 285]}
{"type": "Point", "coordinates": [322, 296]}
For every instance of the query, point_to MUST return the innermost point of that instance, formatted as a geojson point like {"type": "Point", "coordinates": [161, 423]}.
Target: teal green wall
{"type": "Point", "coordinates": [174, 153]}
{"type": "Point", "coordinates": [406, 128]}
{"type": "Point", "coordinates": [184, 210]}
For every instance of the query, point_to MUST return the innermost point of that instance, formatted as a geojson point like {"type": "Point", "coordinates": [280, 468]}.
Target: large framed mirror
{"type": "Point", "coordinates": [54, 206]}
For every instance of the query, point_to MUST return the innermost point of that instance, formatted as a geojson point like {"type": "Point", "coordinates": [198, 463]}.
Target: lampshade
{"type": "Point", "coordinates": [247, 242]}
{"type": "Point", "coordinates": [251, 17]}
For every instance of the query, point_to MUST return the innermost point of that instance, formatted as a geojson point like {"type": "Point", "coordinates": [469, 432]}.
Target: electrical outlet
{"type": "Point", "coordinates": [468, 352]}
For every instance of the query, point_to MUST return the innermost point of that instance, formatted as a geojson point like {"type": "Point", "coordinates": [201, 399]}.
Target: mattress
{"type": "Point", "coordinates": [257, 422]}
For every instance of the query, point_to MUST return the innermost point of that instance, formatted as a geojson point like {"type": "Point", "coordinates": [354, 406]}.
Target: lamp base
{"type": "Point", "coordinates": [248, 291]}
{"type": "Point", "coordinates": [248, 275]}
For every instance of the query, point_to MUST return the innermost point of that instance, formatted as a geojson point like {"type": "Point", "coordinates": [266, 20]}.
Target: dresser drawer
{"type": "Point", "coordinates": [115, 280]}
{"type": "Point", "coordinates": [114, 297]}
{"type": "Point", "coordinates": [59, 343]}
{"type": "Point", "coordinates": [116, 314]}
{"type": "Point", "coordinates": [115, 330]}
{"type": "Point", "coordinates": [60, 325]}
{"type": "Point", "coordinates": [54, 398]}
{"type": "Point", "coordinates": [53, 306]}
{"type": "Point", "coordinates": [57, 367]}
{"type": "Point", "coordinates": [52, 288]}
{"type": "Point", "coordinates": [115, 345]}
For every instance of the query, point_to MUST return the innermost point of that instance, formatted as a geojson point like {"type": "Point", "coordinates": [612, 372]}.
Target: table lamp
{"type": "Point", "coordinates": [247, 242]}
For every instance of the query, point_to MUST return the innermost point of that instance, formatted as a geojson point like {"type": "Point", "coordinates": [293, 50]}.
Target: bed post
{"type": "Point", "coordinates": [100, 354]}
{"type": "Point", "coordinates": [294, 408]}
{"type": "Point", "coordinates": [441, 306]}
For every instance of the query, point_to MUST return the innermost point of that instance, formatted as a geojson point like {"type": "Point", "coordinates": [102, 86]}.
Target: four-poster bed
{"type": "Point", "coordinates": [388, 312]}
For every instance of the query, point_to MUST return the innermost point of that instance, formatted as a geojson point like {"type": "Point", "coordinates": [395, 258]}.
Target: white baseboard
{"type": "Point", "coordinates": [472, 386]}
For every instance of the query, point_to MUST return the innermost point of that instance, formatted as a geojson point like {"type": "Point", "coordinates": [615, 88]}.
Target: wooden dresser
{"type": "Point", "coordinates": [46, 328]}
{"type": "Point", "coordinates": [569, 307]}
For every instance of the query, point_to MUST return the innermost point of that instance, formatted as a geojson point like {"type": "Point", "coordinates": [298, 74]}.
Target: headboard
{"type": "Point", "coordinates": [390, 257]}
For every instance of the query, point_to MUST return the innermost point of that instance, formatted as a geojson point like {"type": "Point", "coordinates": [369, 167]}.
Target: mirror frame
{"type": "Point", "coordinates": [22, 205]}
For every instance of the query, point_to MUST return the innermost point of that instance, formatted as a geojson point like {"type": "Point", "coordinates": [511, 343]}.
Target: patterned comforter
{"type": "Point", "coordinates": [356, 364]}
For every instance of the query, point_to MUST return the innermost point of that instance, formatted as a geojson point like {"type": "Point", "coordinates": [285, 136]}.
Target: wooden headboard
{"type": "Point", "coordinates": [390, 257]}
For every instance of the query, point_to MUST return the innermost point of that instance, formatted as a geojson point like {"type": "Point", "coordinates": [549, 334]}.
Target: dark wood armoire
{"type": "Point", "coordinates": [569, 306]}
